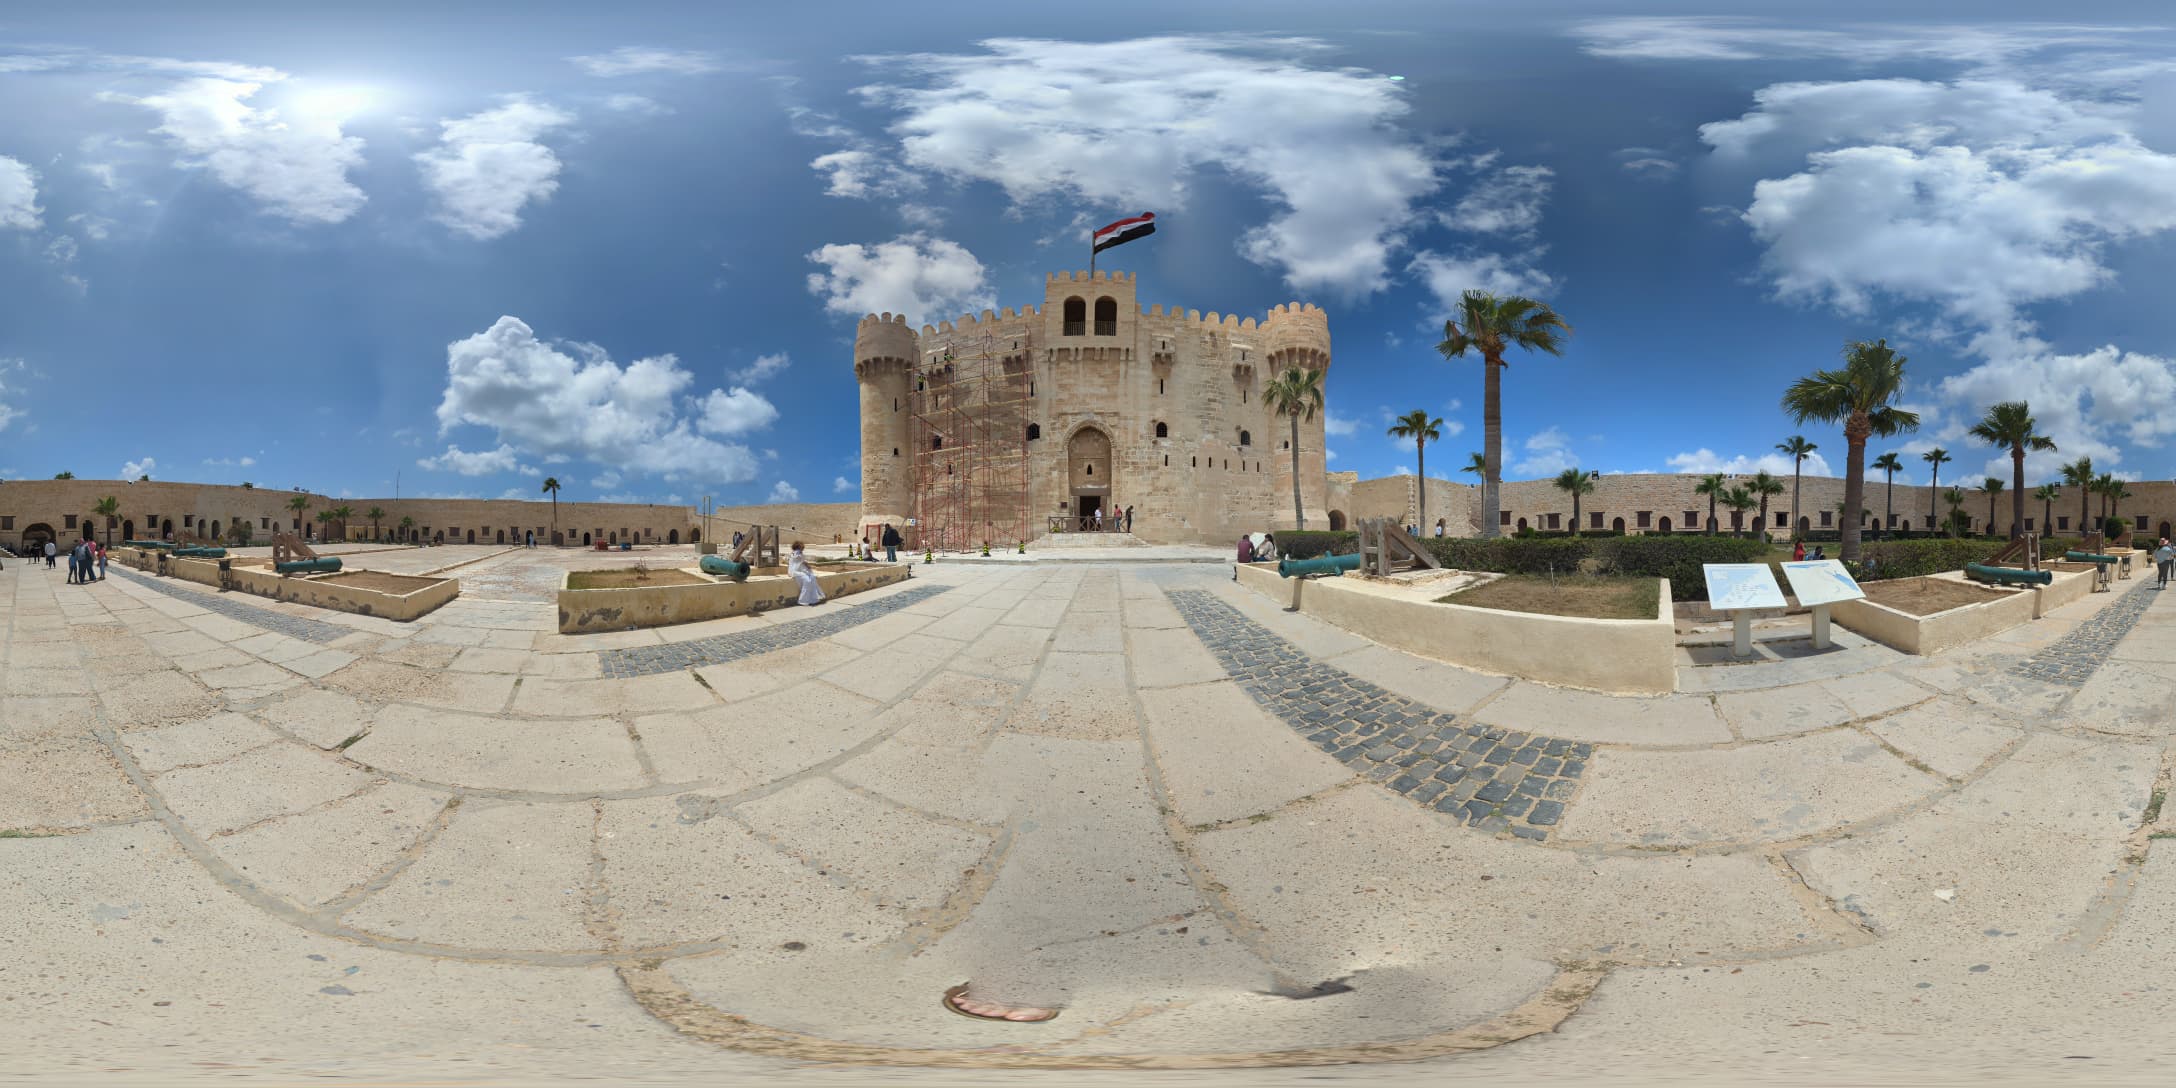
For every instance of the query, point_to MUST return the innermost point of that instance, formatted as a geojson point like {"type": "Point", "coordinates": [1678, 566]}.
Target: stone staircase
{"type": "Point", "coordinates": [1088, 540]}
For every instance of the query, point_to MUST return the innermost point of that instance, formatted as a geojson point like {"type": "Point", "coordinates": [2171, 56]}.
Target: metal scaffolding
{"type": "Point", "coordinates": [970, 440]}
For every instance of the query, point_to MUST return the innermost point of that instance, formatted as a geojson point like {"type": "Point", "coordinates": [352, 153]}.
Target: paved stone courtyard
{"type": "Point", "coordinates": [253, 840]}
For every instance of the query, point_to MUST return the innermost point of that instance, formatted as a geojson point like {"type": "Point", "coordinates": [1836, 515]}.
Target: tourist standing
{"type": "Point", "coordinates": [797, 565]}
{"type": "Point", "coordinates": [1798, 551]}
{"type": "Point", "coordinates": [75, 563]}
{"type": "Point", "coordinates": [892, 541]}
{"type": "Point", "coordinates": [51, 550]}
{"type": "Point", "coordinates": [2164, 558]}
{"type": "Point", "coordinates": [101, 562]}
{"type": "Point", "coordinates": [1129, 517]}
{"type": "Point", "coordinates": [1097, 519]}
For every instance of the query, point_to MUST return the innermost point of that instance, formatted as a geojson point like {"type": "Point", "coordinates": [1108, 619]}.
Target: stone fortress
{"type": "Point", "coordinates": [1021, 422]}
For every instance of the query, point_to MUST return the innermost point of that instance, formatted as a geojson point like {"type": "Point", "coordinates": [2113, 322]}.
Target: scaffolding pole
{"type": "Point", "coordinates": [970, 446]}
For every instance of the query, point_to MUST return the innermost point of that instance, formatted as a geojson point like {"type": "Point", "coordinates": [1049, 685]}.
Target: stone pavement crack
{"type": "Point", "coordinates": [719, 649]}
{"type": "Point", "coordinates": [1497, 780]}
{"type": "Point", "coordinates": [308, 630]}
{"type": "Point", "coordinates": [2072, 659]}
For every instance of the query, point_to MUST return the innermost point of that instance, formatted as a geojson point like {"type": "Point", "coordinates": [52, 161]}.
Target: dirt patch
{"type": "Point", "coordinates": [1926, 596]}
{"type": "Point", "coordinates": [378, 581]}
{"type": "Point", "coordinates": [1585, 596]}
{"type": "Point", "coordinates": [631, 578]}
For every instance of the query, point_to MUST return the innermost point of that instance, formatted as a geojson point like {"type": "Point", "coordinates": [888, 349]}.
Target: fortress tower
{"type": "Point", "coordinates": [884, 357]}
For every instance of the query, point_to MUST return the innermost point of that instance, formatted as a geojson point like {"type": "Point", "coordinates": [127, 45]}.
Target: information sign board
{"type": "Point", "coordinates": [1821, 581]}
{"type": "Point", "coordinates": [1741, 585]}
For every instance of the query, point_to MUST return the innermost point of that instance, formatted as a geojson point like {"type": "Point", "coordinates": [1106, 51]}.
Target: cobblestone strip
{"type": "Point", "coordinates": [308, 630]}
{"type": "Point", "coordinates": [719, 649]}
{"type": "Point", "coordinates": [2073, 658]}
{"type": "Point", "coordinates": [1497, 780]}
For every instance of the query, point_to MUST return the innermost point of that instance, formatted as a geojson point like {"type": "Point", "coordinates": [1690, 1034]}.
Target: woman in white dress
{"type": "Point", "coordinates": [797, 565]}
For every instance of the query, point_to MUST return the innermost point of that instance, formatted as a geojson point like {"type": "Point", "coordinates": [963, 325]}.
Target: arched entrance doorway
{"type": "Point", "coordinates": [695, 536]}
{"type": "Point", "coordinates": [672, 536]}
{"type": "Point", "coordinates": [472, 536]}
{"type": "Point", "coordinates": [1665, 524]}
{"type": "Point", "coordinates": [1805, 525]}
{"type": "Point", "coordinates": [1088, 472]}
{"type": "Point", "coordinates": [2164, 529]}
{"type": "Point", "coordinates": [34, 539]}
{"type": "Point", "coordinates": [1522, 525]}
{"type": "Point", "coordinates": [1617, 524]}
{"type": "Point", "coordinates": [585, 538]}
{"type": "Point", "coordinates": [1337, 520]}
{"type": "Point", "coordinates": [128, 529]}
{"type": "Point", "coordinates": [502, 536]}
{"type": "Point", "coordinates": [166, 528]}
{"type": "Point", "coordinates": [215, 530]}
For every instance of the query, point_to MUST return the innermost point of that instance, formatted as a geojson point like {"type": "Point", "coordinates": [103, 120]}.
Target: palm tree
{"type": "Point", "coordinates": [2047, 494]}
{"type": "Point", "coordinates": [2010, 424]}
{"type": "Point", "coordinates": [1575, 482]}
{"type": "Point", "coordinates": [1796, 448]}
{"type": "Point", "coordinates": [1713, 485]}
{"type": "Point", "coordinates": [341, 514]}
{"type": "Point", "coordinates": [1761, 486]}
{"type": "Point", "coordinates": [1491, 325]}
{"type": "Point", "coordinates": [2079, 474]}
{"type": "Point", "coordinates": [1991, 487]}
{"type": "Point", "coordinates": [247, 486]}
{"type": "Point", "coordinates": [108, 508]}
{"type": "Point", "coordinates": [1955, 498]}
{"type": "Point", "coordinates": [2112, 494]}
{"type": "Point", "coordinates": [324, 524]}
{"type": "Point", "coordinates": [64, 475]}
{"type": "Point", "coordinates": [407, 524]}
{"type": "Point", "coordinates": [375, 515]}
{"type": "Point", "coordinates": [298, 504]}
{"type": "Point", "coordinates": [551, 486]}
{"type": "Point", "coordinates": [1858, 396]}
{"type": "Point", "coordinates": [1297, 394]}
{"type": "Point", "coordinates": [1935, 459]}
{"type": "Point", "coordinates": [1422, 429]}
{"type": "Point", "coordinates": [1888, 463]}
{"type": "Point", "coordinates": [1739, 500]}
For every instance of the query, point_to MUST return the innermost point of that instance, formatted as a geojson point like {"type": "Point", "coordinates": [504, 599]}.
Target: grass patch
{"type": "Point", "coordinates": [11, 833]}
{"type": "Point", "coordinates": [2153, 806]}
{"type": "Point", "coordinates": [635, 577]}
{"type": "Point", "coordinates": [1589, 596]}
{"type": "Point", "coordinates": [350, 742]}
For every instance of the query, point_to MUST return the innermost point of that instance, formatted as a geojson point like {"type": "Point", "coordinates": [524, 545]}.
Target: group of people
{"type": "Point", "coordinates": [1798, 552]}
{"type": "Point", "coordinates": [2164, 560]}
{"type": "Point", "coordinates": [1258, 548]}
{"type": "Point", "coordinates": [1119, 521]}
{"type": "Point", "coordinates": [86, 561]}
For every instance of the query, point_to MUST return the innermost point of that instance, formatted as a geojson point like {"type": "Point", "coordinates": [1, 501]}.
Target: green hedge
{"type": "Point", "coordinates": [1678, 558]}
{"type": "Point", "coordinates": [1292, 544]}
{"type": "Point", "coordinates": [1933, 555]}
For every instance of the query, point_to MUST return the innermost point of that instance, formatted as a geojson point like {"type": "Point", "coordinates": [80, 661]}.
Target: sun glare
{"type": "Point", "coordinates": [333, 102]}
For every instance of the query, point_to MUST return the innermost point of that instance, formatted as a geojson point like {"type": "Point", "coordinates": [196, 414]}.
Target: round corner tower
{"type": "Point", "coordinates": [884, 352]}
{"type": "Point", "coordinates": [1298, 335]}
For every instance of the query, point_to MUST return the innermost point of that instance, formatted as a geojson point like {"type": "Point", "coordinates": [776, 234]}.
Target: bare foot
{"type": "Point", "coordinates": [957, 1000]}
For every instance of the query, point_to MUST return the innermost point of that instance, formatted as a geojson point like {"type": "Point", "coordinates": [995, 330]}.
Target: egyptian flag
{"type": "Point", "coordinates": [1125, 230]}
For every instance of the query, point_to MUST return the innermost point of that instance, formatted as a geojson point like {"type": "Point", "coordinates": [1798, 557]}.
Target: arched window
{"type": "Point", "coordinates": [1091, 470]}
{"type": "Point", "coordinates": [1106, 317]}
{"type": "Point", "coordinates": [1076, 317]}
{"type": "Point", "coordinates": [1246, 439]}
{"type": "Point", "coordinates": [936, 442]}
{"type": "Point", "coordinates": [1163, 430]}
{"type": "Point", "coordinates": [1035, 431]}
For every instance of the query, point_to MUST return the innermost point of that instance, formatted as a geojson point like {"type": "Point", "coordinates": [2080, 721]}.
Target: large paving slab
{"type": "Point", "coordinates": [503, 875]}
{"type": "Point", "coordinates": [552, 755]}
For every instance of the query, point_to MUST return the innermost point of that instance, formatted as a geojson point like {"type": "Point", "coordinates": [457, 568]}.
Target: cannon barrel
{"type": "Point", "coordinates": [200, 552]}
{"type": "Point", "coordinates": [2007, 576]}
{"type": "Point", "coordinates": [2090, 557]}
{"type": "Point", "coordinates": [321, 565]}
{"type": "Point", "coordinates": [718, 564]}
{"type": "Point", "coordinates": [148, 543]}
{"type": "Point", "coordinates": [1331, 565]}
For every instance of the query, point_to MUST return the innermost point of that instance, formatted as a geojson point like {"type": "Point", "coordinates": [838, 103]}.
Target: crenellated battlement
{"type": "Point", "coordinates": [1098, 276]}
{"type": "Point", "coordinates": [886, 318]}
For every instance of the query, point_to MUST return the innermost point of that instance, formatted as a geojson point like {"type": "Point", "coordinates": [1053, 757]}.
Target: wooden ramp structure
{"type": "Point", "coordinates": [760, 547]}
{"type": "Point", "coordinates": [289, 548]}
{"type": "Point", "coordinates": [2022, 553]}
{"type": "Point", "coordinates": [1386, 547]}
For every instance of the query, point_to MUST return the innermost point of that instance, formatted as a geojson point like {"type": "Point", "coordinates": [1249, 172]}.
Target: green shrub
{"type": "Point", "coordinates": [1677, 558]}
{"type": "Point", "coordinates": [1913, 558]}
{"type": "Point", "coordinates": [1292, 544]}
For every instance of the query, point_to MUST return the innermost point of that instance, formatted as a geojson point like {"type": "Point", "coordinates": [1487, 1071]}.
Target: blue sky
{"type": "Point", "coordinates": [330, 245]}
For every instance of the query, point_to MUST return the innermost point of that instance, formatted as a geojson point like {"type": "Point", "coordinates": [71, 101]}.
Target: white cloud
{"type": "Point", "coordinates": [1732, 38]}
{"type": "Point", "coordinates": [565, 401]}
{"type": "Point", "coordinates": [765, 366]}
{"type": "Point", "coordinates": [736, 412]}
{"type": "Point", "coordinates": [922, 277]}
{"type": "Point", "coordinates": [489, 165]}
{"type": "Point", "coordinates": [629, 60]}
{"type": "Point", "coordinates": [1650, 168]}
{"type": "Point", "coordinates": [294, 161]}
{"type": "Point", "coordinates": [231, 462]}
{"type": "Point", "coordinates": [770, 455]}
{"type": "Point", "coordinates": [97, 228]}
{"type": "Point", "coordinates": [841, 485]}
{"type": "Point", "coordinates": [1976, 199]}
{"type": "Point", "coordinates": [1703, 461]}
{"type": "Point", "coordinates": [606, 480]}
{"type": "Point", "coordinates": [481, 463]}
{"type": "Point", "coordinates": [1129, 125]}
{"type": "Point", "coordinates": [784, 492]}
{"type": "Point", "coordinates": [9, 412]}
{"type": "Point", "coordinates": [133, 469]}
{"type": "Point", "coordinates": [636, 104]}
{"type": "Point", "coordinates": [1332, 423]}
{"type": "Point", "coordinates": [1547, 453]}
{"type": "Point", "coordinates": [19, 196]}
{"type": "Point", "coordinates": [1506, 202]}
{"type": "Point", "coordinates": [1449, 276]}
{"type": "Point", "coordinates": [516, 494]}
{"type": "Point", "coordinates": [1402, 470]}
{"type": "Point", "coordinates": [1328, 455]}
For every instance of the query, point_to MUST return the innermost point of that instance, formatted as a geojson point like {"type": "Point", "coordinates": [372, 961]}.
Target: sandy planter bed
{"type": "Point", "coordinates": [1615, 655]}
{"type": "Point", "coordinates": [698, 596]}
{"type": "Point", "coordinates": [629, 578]}
{"type": "Point", "coordinates": [1934, 613]}
{"type": "Point", "coordinates": [379, 581]}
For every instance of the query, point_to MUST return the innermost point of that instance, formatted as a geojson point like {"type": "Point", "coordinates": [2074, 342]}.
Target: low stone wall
{"type": "Point", "coordinates": [2002, 610]}
{"type": "Point", "coordinates": [588, 611]}
{"type": "Point", "coordinates": [2073, 581]}
{"type": "Point", "coordinates": [319, 590]}
{"type": "Point", "coordinates": [1631, 656]}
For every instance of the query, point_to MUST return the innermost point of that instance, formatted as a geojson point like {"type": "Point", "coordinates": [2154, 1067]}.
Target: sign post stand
{"type": "Point", "coordinates": [1819, 583]}
{"type": "Point", "coordinates": [1741, 589]}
